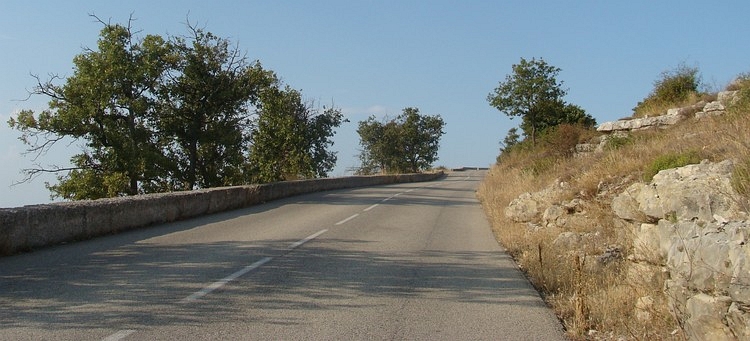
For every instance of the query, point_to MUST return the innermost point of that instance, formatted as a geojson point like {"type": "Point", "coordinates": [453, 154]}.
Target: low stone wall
{"type": "Point", "coordinates": [35, 226]}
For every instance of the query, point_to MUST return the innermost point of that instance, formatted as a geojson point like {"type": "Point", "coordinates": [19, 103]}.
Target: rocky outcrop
{"type": "Point", "coordinates": [690, 237]}
{"type": "Point", "coordinates": [687, 224]}
{"type": "Point", "coordinates": [641, 123]}
{"type": "Point", "coordinates": [673, 116]}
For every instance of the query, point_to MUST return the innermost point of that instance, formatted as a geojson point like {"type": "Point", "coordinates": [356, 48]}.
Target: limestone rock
{"type": "Point", "coordinates": [568, 241]}
{"type": "Point", "coordinates": [625, 205]}
{"type": "Point", "coordinates": [642, 123]}
{"type": "Point", "coordinates": [738, 319]}
{"type": "Point", "coordinates": [700, 255]}
{"type": "Point", "coordinates": [691, 238]}
{"type": "Point", "coordinates": [706, 314]}
{"type": "Point", "coordinates": [693, 192]}
{"type": "Point", "coordinates": [528, 206]}
{"type": "Point", "coordinates": [714, 106]}
{"type": "Point", "coordinates": [727, 97]}
{"type": "Point", "coordinates": [523, 209]}
{"type": "Point", "coordinates": [646, 245]}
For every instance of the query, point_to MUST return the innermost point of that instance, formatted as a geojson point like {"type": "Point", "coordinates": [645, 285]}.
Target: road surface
{"type": "Point", "coordinates": [401, 262]}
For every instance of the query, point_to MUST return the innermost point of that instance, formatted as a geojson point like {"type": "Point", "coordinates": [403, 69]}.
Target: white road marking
{"type": "Point", "coordinates": [347, 219]}
{"type": "Point", "coordinates": [309, 238]}
{"type": "Point", "coordinates": [121, 334]}
{"type": "Point", "coordinates": [371, 207]}
{"type": "Point", "coordinates": [222, 282]}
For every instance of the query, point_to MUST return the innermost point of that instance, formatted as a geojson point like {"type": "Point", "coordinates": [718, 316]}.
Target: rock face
{"type": "Point", "coordinates": [673, 116]}
{"type": "Point", "coordinates": [688, 223]}
{"type": "Point", "coordinates": [641, 123]}
{"type": "Point", "coordinates": [690, 237]}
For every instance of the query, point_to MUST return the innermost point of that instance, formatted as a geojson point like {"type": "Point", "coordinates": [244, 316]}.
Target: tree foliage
{"type": "Point", "coordinates": [108, 103]}
{"type": "Point", "coordinates": [533, 92]}
{"type": "Point", "coordinates": [204, 110]}
{"type": "Point", "coordinates": [291, 138]}
{"type": "Point", "coordinates": [155, 114]}
{"type": "Point", "coordinates": [408, 143]}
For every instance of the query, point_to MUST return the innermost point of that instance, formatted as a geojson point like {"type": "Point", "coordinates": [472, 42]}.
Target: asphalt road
{"type": "Point", "coordinates": [401, 262]}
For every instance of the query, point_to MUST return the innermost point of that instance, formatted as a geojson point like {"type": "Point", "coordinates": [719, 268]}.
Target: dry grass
{"type": "Point", "coordinates": [587, 297]}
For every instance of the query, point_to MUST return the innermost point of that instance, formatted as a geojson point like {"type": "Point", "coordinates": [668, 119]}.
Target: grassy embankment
{"type": "Point", "coordinates": [604, 299]}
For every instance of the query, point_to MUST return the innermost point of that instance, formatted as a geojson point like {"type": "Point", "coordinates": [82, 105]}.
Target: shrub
{"type": "Point", "coordinates": [742, 104]}
{"type": "Point", "coordinates": [668, 161]}
{"type": "Point", "coordinates": [615, 142]}
{"type": "Point", "coordinates": [561, 140]}
{"type": "Point", "coordinates": [674, 88]}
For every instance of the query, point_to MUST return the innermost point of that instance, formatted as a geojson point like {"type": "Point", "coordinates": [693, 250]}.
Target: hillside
{"type": "Point", "coordinates": [638, 230]}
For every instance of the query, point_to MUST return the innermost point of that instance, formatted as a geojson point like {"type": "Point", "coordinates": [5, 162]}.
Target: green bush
{"type": "Point", "coordinates": [674, 88]}
{"type": "Point", "coordinates": [742, 86]}
{"type": "Point", "coordinates": [615, 142]}
{"type": "Point", "coordinates": [668, 161]}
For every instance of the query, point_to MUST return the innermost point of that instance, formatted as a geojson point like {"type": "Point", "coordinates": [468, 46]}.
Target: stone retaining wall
{"type": "Point", "coordinates": [35, 226]}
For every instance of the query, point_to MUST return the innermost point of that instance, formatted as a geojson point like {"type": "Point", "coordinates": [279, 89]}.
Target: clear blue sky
{"type": "Point", "coordinates": [378, 57]}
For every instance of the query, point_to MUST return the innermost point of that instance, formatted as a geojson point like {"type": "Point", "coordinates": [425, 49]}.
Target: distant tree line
{"type": "Point", "coordinates": [156, 114]}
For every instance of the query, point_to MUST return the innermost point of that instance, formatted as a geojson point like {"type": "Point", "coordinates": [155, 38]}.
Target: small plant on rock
{"type": "Point", "coordinates": [668, 161]}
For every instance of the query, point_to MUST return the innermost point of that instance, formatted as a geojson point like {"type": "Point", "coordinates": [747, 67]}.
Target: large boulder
{"type": "Point", "coordinates": [705, 318]}
{"type": "Point", "coordinates": [529, 207]}
{"type": "Point", "coordinates": [700, 192]}
{"type": "Point", "coordinates": [713, 258]}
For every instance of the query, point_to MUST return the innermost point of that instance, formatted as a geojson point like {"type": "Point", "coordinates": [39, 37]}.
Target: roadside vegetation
{"type": "Point", "coordinates": [159, 114]}
{"type": "Point", "coordinates": [598, 303]}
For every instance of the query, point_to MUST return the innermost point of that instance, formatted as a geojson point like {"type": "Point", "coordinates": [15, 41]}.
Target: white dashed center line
{"type": "Point", "coordinates": [222, 282]}
{"type": "Point", "coordinates": [347, 219]}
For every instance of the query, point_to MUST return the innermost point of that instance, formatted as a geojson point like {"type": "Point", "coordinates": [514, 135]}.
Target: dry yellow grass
{"type": "Point", "coordinates": [603, 299]}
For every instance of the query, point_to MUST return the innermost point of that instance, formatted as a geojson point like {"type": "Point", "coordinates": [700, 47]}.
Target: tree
{"type": "Point", "coordinates": [408, 143]}
{"type": "Point", "coordinates": [177, 114]}
{"type": "Point", "coordinates": [557, 113]}
{"type": "Point", "coordinates": [533, 93]}
{"type": "Point", "coordinates": [291, 139]}
{"type": "Point", "coordinates": [108, 103]}
{"type": "Point", "coordinates": [205, 110]}
{"type": "Point", "coordinates": [510, 140]}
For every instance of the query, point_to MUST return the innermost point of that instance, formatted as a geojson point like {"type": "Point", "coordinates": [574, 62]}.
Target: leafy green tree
{"type": "Point", "coordinates": [408, 143]}
{"type": "Point", "coordinates": [510, 140]}
{"type": "Point", "coordinates": [533, 93]}
{"type": "Point", "coordinates": [557, 113]}
{"type": "Point", "coordinates": [160, 115]}
{"type": "Point", "coordinates": [291, 140]}
{"type": "Point", "coordinates": [107, 103]}
{"type": "Point", "coordinates": [205, 110]}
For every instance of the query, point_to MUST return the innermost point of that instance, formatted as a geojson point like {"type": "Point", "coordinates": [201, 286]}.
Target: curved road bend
{"type": "Point", "coordinates": [400, 262]}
